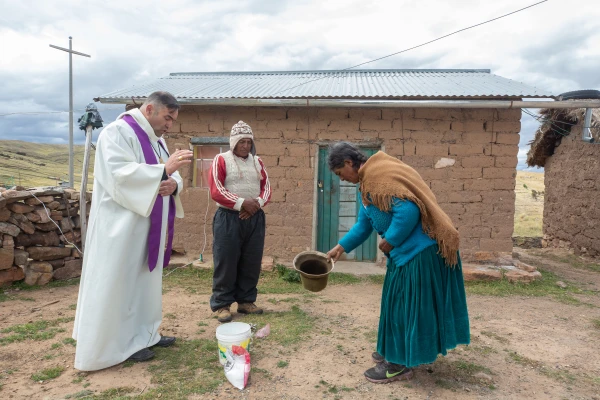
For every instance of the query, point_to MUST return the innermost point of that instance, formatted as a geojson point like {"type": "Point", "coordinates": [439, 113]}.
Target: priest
{"type": "Point", "coordinates": [129, 237]}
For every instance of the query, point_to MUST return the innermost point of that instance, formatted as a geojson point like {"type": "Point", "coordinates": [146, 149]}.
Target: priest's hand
{"type": "Point", "coordinates": [385, 246]}
{"type": "Point", "coordinates": [167, 187]}
{"type": "Point", "coordinates": [178, 160]}
{"type": "Point", "coordinates": [251, 206]}
{"type": "Point", "coordinates": [244, 214]}
{"type": "Point", "coordinates": [335, 253]}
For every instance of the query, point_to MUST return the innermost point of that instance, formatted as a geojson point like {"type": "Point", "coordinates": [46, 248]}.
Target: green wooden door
{"type": "Point", "coordinates": [337, 210]}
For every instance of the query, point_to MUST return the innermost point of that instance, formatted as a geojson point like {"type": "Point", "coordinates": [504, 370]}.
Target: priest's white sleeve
{"type": "Point", "coordinates": [120, 169]}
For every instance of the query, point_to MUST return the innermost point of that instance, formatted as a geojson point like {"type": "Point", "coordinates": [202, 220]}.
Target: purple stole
{"type": "Point", "coordinates": [157, 209]}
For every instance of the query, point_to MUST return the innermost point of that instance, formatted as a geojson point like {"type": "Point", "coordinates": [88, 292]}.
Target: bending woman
{"type": "Point", "coordinates": [423, 304]}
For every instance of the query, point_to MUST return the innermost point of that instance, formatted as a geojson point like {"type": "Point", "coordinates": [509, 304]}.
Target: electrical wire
{"type": "Point", "coordinates": [422, 44]}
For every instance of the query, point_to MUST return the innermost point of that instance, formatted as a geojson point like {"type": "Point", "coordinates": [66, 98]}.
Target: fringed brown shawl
{"type": "Point", "coordinates": [383, 177]}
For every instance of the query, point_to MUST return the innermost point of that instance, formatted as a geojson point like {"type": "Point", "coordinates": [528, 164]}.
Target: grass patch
{"type": "Point", "coordinates": [287, 327]}
{"type": "Point", "coordinates": [38, 330]}
{"type": "Point", "coordinates": [371, 335]}
{"type": "Point", "coordinates": [187, 368]}
{"type": "Point", "coordinates": [170, 316]}
{"type": "Point", "coordinates": [287, 274]}
{"type": "Point", "coordinates": [494, 335]}
{"type": "Point", "coordinates": [556, 374]}
{"type": "Point", "coordinates": [571, 259]}
{"type": "Point", "coordinates": [80, 395]}
{"type": "Point", "coordinates": [540, 288]}
{"type": "Point", "coordinates": [286, 300]}
{"type": "Point", "coordinates": [596, 323]}
{"type": "Point", "coordinates": [47, 374]}
{"type": "Point", "coordinates": [52, 284]}
{"type": "Point", "coordinates": [282, 364]}
{"type": "Point", "coordinates": [454, 374]}
{"type": "Point", "coordinates": [115, 393]}
{"type": "Point", "coordinates": [339, 278]}
{"type": "Point", "coordinates": [70, 341]}
{"type": "Point", "coordinates": [376, 279]}
{"type": "Point", "coordinates": [73, 307]}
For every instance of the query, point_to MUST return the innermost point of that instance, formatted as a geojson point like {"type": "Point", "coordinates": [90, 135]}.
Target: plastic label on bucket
{"type": "Point", "coordinates": [223, 349]}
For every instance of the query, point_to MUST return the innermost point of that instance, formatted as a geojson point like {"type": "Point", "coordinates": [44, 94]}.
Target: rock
{"type": "Point", "coordinates": [53, 205]}
{"type": "Point", "coordinates": [48, 253]}
{"type": "Point", "coordinates": [518, 275]}
{"type": "Point", "coordinates": [9, 229]}
{"type": "Point", "coordinates": [20, 208]}
{"type": "Point", "coordinates": [76, 220]}
{"type": "Point", "coordinates": [525, 267]}
{"type": "Point", "coordinates": [38, 238]}
{"type": "Point", "coordinates": [445, 162]}
{"type": "Point", "coordinates": [267, 263]}
{"type": "Point", "coordinates": [46, 226]}
{"type": "Point", "coordinates": [69, 192]}
{"type": "Point", "coordinates": [56, 264]}
{"type": "Point", "coordinates": [4, 214]}
{"type": "Point", "coordinates": [22, 222]}
{"type": "Point", "coordinates": [72, 269]}
{"type": "Point", "coordinates": [74, 237]}
{"type": "Point", "coordinates": [21, 257]}
{"type": "Point", "coordinates": [56, 215]}
{"type": "Point", "coordinates": [70, 212]}
{"type": "Point", "coordinates": [10, 275]}
{"type": "Point", "coordinates": [44, 199]}
{"type": "Point", "coordinates": [561, 284]}
{"type": "Point", "coordinates": [8, 242]}
{"type": "Point", "coordinates": [33, 217]}
{"type": "Point", "coordinates": [66, 224]}
{"type": "Point", "coordinates": [2, 202]}
{"type": "Point", "coordinates": [75, 196]}
{"type": "Point", "coordinates": [480, 273]}
{"type": "Point", "coordinates": [7, 257]}
{"type": "Point", "coordinates": [38, 273]}
{"type": "Point", "coordinates": [43, 214]}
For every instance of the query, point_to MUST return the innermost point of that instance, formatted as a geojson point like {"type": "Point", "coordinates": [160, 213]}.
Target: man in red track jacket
{"type": "Point", "coordinates": [240, 185]}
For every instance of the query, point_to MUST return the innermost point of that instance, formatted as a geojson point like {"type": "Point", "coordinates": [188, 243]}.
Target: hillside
{"type": "Point", "coordinates": [39, 164]}
{"type": "Point", "coordinates": [529, 205]}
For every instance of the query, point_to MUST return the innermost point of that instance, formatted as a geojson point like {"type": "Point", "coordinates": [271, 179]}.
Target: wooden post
{"type": "Point", "coordinates": [83, 190]}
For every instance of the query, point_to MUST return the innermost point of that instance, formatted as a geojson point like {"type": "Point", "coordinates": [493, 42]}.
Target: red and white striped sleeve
{"type": "Point", "coordinates": [216, 184]}
{"type": "Point", "coordinates": [265, 185]}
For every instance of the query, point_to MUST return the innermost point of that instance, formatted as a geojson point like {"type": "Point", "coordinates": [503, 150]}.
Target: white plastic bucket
{"type": "Point", "coordinates": [232, 333]}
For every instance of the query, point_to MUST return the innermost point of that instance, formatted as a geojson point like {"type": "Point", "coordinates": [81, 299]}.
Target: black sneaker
{"type": "Point", "coordinates": [377, 358]}
{"type": "Point", "coordinates": [386, 372]}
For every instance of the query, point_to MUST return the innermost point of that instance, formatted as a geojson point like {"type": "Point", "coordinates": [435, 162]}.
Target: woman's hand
{"type": "Point", "coordinates": [335, 253]}
{"type": "Point", "coordinates": [385, 246]}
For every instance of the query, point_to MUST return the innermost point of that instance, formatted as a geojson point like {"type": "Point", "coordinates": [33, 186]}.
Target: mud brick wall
{"type": "Point", "coordinates": [468, 156]}
{"type": "Point", "coordinates": [31, 245]}
{"type": "Point", "coordinates": [572, 195]}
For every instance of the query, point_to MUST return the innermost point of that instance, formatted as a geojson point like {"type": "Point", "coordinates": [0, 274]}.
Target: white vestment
{"type": "Point", "coordinates": [119, 309]}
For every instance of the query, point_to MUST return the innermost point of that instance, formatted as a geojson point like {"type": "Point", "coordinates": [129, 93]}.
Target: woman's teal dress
{"type": "Point", "coordinates": [423, 302]}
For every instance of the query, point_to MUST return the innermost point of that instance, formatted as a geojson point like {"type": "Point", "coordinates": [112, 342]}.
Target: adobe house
{"type": "Point", "coordinates": [458, 128]}
{"type": "Point", "coordinates": [570, 156]}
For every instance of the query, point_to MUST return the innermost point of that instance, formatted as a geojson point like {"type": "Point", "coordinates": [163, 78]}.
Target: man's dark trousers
{"type": "Point", "coordinates": [237, 255]}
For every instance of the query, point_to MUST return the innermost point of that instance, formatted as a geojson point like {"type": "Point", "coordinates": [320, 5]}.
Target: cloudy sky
{"type": "Point", "coordinates": [553, 46]}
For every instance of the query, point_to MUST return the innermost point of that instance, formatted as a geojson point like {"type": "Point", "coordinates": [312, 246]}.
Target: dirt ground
{"type": "Point", "coordinates": [522, 347]}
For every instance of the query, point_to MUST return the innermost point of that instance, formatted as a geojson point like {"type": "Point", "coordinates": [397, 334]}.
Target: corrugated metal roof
{"type": "Point", "coordinates": [399, 84]}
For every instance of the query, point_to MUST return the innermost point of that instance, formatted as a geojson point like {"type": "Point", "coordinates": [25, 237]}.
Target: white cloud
{"type": "Point", "coordinates": [137, 40]}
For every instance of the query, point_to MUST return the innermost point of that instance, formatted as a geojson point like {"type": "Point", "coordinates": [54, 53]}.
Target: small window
{"type": "Point", "coordinates": [203, 156]}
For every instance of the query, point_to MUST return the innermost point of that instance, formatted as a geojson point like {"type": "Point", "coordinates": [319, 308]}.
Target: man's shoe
{"type": "Point", "coordinates": [142, 355]}
{"type": "Point", "coordinates": [166, 341]}
{"type": "Point", "coordinates": [223, 314]}
{"type": "Point", "coordinates": [377, 358]}
{"type": "Point", "coordinates": [249, 308]}
{"type": "Point", "coordinates": [386, 372]}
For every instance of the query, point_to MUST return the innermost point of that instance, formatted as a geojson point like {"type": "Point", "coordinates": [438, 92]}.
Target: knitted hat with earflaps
{"type": "Point", "coordinates": [240, 131]}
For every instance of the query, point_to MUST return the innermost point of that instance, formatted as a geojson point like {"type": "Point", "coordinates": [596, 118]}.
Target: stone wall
{"type": "Point", "coordinates": [468, 156]}
{"type": "Point", "coordinates": [572, 195]}
{"type": "Point", "coordinates": [31, 245]}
